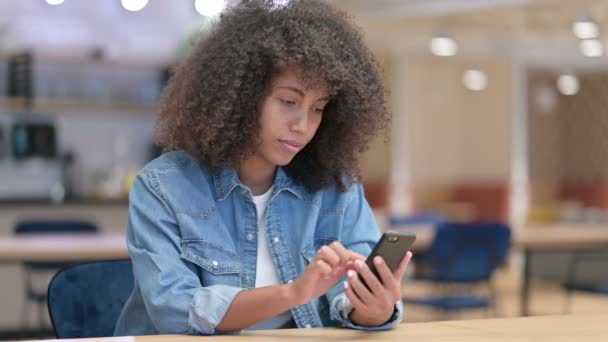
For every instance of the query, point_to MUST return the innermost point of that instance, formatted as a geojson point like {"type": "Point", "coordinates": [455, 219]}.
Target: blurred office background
{"type": "Point", "coordinates": [499, 114]}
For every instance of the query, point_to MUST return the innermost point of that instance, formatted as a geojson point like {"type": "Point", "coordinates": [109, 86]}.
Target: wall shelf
{"type": "Point", "coordinates": [76, 106]}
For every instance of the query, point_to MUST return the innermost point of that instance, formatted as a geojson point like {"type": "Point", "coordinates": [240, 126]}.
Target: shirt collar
{"type": "Point", "coordinates": [226, 180]}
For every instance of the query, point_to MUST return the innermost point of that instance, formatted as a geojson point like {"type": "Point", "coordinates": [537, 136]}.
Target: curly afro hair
{"type": "Point", "coordinates": [210, 106]}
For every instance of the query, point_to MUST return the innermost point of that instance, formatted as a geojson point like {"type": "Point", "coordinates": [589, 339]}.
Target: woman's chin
{"type": "Point", "coordinates": [282, 161]}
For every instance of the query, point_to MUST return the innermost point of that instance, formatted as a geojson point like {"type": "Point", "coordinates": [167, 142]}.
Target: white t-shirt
{"type": "Point", "coordinates": [266, 273]}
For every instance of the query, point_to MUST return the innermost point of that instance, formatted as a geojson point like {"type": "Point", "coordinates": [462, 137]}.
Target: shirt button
{"type": "Point", "coordinates": [247, 279]}
{"type": "Point", "coordinates": [275, 240]}
{"type": "Point", "coordinates": [307, 326]}
{"type": "Point", "coordinates": [215, 263]}
{"type": "Point", "coordinates": [249, 237]}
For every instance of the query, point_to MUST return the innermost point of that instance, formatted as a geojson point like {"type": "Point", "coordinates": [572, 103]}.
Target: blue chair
{"type": "Point", "coordinates": [38, 298]}
{"type": "Point", "coordinates": [426, 218]}
{"type": "Point", "coordinates": [464, 254]}
{"type": "Point", "coordinates": [85, 300]}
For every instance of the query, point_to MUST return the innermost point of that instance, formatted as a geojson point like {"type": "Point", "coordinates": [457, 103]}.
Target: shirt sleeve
{"type": "Point", "coordinates": [173, 295]}
{"type": "Point", "coordinates": [360, 232]}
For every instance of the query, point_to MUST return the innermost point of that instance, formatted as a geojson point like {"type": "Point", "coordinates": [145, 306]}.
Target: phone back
{"type": "Point", "coordinates": [392, 247]}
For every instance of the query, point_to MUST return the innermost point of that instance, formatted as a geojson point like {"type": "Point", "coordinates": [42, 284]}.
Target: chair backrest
{"type": "Point", "coordinates": [55, 226]}
{"type": "Point", "coordinates": [50, 226]}
{"type": "Point", "coordinates": [85, 300]}
{"type": "Point", "coordinates": [468, 252]}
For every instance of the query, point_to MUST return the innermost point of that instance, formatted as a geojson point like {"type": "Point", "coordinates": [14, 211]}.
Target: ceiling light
{"type": "Point", "coordinates": [443, 46]}
{"type": "Point", "coordinates": [209, 8]}
{"type": "Point", "coordinates": [591, 47]}
{"type": "Point", "coordinates": [585, 28]}
{"type": "Point", "coordinates": [568, 84]}
{"type": "Point", "coordinates": [134, 5]}
{"type": "Point", "coordinates": [475, 80]}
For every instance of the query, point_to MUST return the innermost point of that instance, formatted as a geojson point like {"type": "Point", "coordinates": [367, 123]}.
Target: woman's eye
{"type": "Point", "coordinates": [319, 110]}
{"type": "Point", "coordinates": [288, 102]}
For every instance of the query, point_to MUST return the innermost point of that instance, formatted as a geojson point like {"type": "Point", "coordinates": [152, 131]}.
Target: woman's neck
{"type": "Point", "coordinates": [258, 175]}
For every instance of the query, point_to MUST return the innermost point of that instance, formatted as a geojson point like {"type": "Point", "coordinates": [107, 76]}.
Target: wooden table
{"type": "Point", "coordinates": [90, 247]}
{"type": "Point", "coordinates": [63, 247]}
{"type": "Point", "coordinates": [567, 328]}
{"type": "Point", "coordinates": [555, 238]}
{"type": "Point", "coordinates": [531, 239]}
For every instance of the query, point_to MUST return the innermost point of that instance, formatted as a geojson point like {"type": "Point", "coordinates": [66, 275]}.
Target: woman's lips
{"type": "Point", "coordinates": [291, 146]}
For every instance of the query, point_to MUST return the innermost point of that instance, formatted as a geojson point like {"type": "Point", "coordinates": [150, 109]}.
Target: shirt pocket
{"type": "Point", "coordinates": [218, 266]}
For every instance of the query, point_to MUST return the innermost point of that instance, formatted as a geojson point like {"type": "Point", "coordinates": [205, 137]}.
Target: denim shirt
{"type": "Point", "coordinates": [192, 236]}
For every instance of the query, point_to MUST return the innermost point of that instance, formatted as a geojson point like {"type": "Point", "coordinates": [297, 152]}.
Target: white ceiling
{"type": "Point", "coordinates": [540, 28]}
{"type": "Point", "coordinates": [534, 31]}
{"type": "Point", "coordinates": [75, 27]}
{"type": "Point", "coordinates": [417, 8]}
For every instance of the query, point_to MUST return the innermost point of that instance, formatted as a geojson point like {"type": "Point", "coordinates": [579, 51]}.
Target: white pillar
{"type": "Point", "coordinates": [400, 183]}
{"type": "Point", "coordinates": [519, 184]}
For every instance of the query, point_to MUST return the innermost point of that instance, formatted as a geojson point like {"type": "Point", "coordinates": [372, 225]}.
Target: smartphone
{"type": "Point", "coordinates": [392, 247]}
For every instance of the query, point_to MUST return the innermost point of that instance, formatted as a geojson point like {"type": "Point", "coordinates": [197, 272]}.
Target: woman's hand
{"type": "Point", "coordinates": [374, 306]}
{"type": "Point", "coordinates": [329, 265]}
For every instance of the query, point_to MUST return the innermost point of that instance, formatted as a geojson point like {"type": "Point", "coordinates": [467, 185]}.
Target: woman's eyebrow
{"type": "Point", "coordinates": [294, 89]}
{"type": "Point", "coordinates": [301, 93]}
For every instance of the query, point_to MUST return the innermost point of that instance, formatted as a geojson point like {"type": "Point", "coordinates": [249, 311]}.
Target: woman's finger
{"type": "Point", "coordinates": [387, 277]}
{"type": "Point", "coordinates": [359, 288]}
{"type": "Point", "coordinates": [328, 255]}
{"type": "Point", "coordinates": [323, 268]}
{"type": "Point", "coordinates": [373, 283]}
{"type": "Point", "coordinates": [356, 256]}
{"type": "Point", "coordinates": [352, 297]}
{"type": "Point", "coordinates": [342, 252]}
{"type": "Point", "coordinates": [400, 272]}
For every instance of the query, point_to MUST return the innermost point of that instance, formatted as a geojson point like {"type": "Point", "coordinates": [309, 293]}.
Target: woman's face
{"type": "Point", "coordinates": [289, 117]}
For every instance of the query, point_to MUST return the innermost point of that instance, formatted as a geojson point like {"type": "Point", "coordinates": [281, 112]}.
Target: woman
{"type": "Point", "coordinates": [254, 216]}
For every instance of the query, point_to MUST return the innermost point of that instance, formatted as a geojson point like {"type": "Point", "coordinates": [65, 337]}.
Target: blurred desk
{"type": "Point", "coordinates": [555, 238]}
{"type": "Point", "coordinates": [57, 248]}
{"type": "Point", "coordinates": [531, 239]}
{"type": "Point", "coordinates": [562, 237]}
{"type": "Point", "coordinates": [550, 328]}
{"type": "Point", "coordinates": [63, 247]}
{"type": "Point", "coordinates": [534, 237]}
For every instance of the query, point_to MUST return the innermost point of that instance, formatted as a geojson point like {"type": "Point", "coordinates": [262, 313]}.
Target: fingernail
{"type": "Point", "coordinates": [345, 284]}
{"type": "Point", "coordinates": [358, 264]}
{"type": "Point", "coordinates": [378, 260]}
{"type": "Point", "coordinates": [351, 273]}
